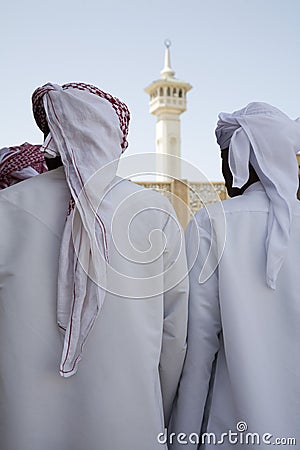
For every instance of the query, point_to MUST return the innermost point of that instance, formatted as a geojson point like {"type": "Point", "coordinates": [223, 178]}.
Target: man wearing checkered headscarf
{"type": "Point", "coordinates": [84, 278]}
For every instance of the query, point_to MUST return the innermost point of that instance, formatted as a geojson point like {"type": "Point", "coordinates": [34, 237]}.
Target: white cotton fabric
{"type": "Point", "coordinates": [242, 361]}
{"type": "Point", "coordinates": [85, 132]}
{"type": "Point", "coordinates": [267, 138]}
{"type": "Point", "coordinates": [121, 396]}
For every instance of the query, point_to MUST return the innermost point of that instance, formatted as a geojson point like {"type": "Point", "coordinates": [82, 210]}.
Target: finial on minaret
{"type": "Point", "coordinates": [167, 71]}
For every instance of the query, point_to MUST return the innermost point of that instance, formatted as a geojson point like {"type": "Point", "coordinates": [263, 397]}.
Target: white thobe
{"type": "Point", "coordinates": [242, 362]}
{"type": "Point", "coordinates": [133, 357]}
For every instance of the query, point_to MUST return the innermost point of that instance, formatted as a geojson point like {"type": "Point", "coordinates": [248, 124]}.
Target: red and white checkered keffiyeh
{"type": "Point", "coordinates": [19, 163]}
{"type": "Point", "coordinates": [88, 129]}
{"type": "Point", "coordinates": [119, 107]}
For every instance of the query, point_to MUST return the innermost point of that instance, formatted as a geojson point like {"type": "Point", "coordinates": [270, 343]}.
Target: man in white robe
{"type": "Point", "coordinates": [240, 386]}
{"type": "Point", "coordinates": [122, 394]}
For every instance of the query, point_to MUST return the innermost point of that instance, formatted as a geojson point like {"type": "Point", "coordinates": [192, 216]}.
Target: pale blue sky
{"type": "Point", "coordinates": [232, 52]}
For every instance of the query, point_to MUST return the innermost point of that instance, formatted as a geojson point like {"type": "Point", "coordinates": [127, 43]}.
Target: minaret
{"type": "Point", "coordinates": [167, 102]}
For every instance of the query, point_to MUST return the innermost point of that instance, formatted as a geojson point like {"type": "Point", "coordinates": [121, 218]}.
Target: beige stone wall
{"type": "Point", "coordinates": [187, 197]}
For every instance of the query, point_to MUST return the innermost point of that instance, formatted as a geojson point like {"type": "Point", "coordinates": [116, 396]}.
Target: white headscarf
{"type": "Point", "coordinates": [88, 129]}
{"type": "Point", "coordinates": [267, 138]}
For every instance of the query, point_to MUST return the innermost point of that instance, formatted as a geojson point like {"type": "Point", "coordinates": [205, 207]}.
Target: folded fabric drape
{"type": "Point", "coordinates": [87, 128]}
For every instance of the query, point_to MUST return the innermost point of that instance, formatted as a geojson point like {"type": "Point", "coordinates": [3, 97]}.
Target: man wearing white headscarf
{"type": "Point", "coordinates": [240, 386]}
{"type": "Point", "coordinates": [93, 286]}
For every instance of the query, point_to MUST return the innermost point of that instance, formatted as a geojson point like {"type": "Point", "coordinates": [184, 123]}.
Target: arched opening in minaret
{"type": "Point", "coordinates": [161, 92]}
{"type": "Point", "coordinates": [169, 92]}
{"type": "Point", "coordinates": [180, 93]}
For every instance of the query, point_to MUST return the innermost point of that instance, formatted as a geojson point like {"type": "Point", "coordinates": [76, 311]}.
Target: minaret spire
{"type": "Point", "coordinates": [167, 103]}
{"type": "Point", "coordinates": [167, 71]}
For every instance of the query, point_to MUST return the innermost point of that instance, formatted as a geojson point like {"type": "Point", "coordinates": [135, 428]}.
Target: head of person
{"type": "Point", "coordinates": [74, 105]}
{"type": "Point", "coordinates": [81, 113]}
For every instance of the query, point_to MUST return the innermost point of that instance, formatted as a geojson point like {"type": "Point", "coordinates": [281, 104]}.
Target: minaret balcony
{"type": "Point", "coordinates": [178, 105]}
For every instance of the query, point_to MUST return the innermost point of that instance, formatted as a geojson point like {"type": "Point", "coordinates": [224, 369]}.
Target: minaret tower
{"type": "Point", "coordinates": [167, 102]}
